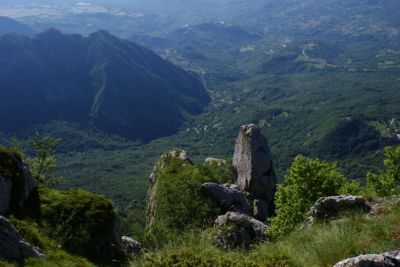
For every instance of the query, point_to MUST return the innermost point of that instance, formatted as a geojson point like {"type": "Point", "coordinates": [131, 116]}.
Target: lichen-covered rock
{"type": "Point", "coordinates": [326, 207]}
{"type": "Point", "coordinates": [238, 230]}
{"type": "Point", "coordinates": [5, 194]}
{"type": "Point", "coordinates": [387, 259]}
{"type": "Point", "coordinates": [131, 247]}
{"type": "Point", "coordinates": [181, 155]}
{"type": "Point", "coordinates": [22, 182]}
{"type": "Point", "coordinates": [211, 161]}
{"type": "Point", "coordinates": [226, 197]}
{"type": "Point", "coordinates": [232, 237]}
{"type": "Point", "coordinates": [252, 164]}
{"type": "Point", "coordinates": [12, 246]}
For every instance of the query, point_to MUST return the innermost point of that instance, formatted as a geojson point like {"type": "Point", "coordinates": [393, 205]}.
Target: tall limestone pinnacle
{"type": "Point", "coordinates": [253, 168]}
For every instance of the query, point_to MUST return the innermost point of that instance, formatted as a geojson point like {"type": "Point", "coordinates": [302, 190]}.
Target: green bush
{"type": "Point", "coordinates": [387, 183]}
{"type": "Point", "coordinates": [351, 188]}
{"type": "Point", "coordinates": [306, 181]}
{"type": "Point", "coordinates": [83, 222]}
{"type": "Point", "coordinates": [36, 235]}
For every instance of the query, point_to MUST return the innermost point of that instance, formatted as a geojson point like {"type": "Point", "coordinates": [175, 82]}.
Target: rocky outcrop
{"type": "Point", "coordinates": [226, 196]}
{"type": "Point", "coordinates": [211, 161]}
{"type": "Point", "coordinates": [131, 247]}
{"type": "Point", "coordinates": [237, 230]}
{"type": "Point", "coordinates": [326, 207]}
{"type": "Point", "coordinates": [17, 183]}
{"type": "Point", "coordinates": [12, 246]}
{"type": "Point", "coordinates": [387, 259]}
{"type": "Point", "coordinates": [252, 164]}
{"type": "Point", "coordinates": [5, 194]}
{"type": "Point", "coordinates": [161, 164]}
{"type": "Point", "coordinates": [260, 209]}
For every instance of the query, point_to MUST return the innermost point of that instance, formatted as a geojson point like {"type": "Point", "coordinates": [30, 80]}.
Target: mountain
{"type": "Point", "coordinates": [119, 86]}
{"type": "Point", "coordinates": [8, 25]}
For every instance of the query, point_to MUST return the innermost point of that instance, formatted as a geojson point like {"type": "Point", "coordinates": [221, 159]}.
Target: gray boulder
{"type": "Point", "coordinates": [387, 259]}
{"type": "Point", "coordinates": [326, 207]}
{"type": "Point", "coordinates": [12, 246]}
{"type": "Point", "coordinates": [252, 164]}
{"type": "Point", "coordinates": [211, 161]}
{"type": "Point", "coordinates": [237, 230]}
{"type": "Point", "coordinates": [226, 196]}
{"type": "Point", "coordinates": [131, 247]}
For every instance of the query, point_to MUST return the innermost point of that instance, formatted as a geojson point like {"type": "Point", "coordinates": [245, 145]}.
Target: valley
{"type": "Point", "coordinates": [299, 85]}
{"type": "Point", "coordinates": [120, 84]}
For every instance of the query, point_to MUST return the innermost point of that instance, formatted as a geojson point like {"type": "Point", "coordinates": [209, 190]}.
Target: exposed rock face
{"type": "Point", "coordinates": [226, 197]}
{"type": "Point", "coordinates": [387, 259]}
{"type": "Point", "coordinates": [326, 207]}
{"type": "Point", "coordinates": [16, 182]}
{"type": "Point", "coordinates": [238, 230]}
{"type": "Point", "coordinates": [260, 209]}
{"type": "Point", "coordinates": [131, 247]}
{"type": "Point", "coordinates": [29, 183]}
{"type": "Point", "coordinates": [182, 155]}
{"type": "Point", "coordinates": [211, 161]}
{"type": "Point", "coordinates": [252, 164]}
{"type": "Point", "coordinates": [12, 246]}
{"type": "Point", "coordinates": [5, 194]}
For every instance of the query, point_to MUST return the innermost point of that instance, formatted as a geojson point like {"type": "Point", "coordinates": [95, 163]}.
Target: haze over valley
{"type": "Point", "coordinates": [120, 83]}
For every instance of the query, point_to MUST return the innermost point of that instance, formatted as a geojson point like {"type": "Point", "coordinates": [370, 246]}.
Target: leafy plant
{"type": "Point", "coordinates": [44, 148]}
{"type": "Point", "coordinates": [388, 182]}
{"type": "Point", "coordinates": [306, 181]}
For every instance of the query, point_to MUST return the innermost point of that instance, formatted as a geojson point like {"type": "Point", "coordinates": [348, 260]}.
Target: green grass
{"type": "Point", "coordinates": [39, 237]}
{"type": "Point", "coordinates": [322, 244]}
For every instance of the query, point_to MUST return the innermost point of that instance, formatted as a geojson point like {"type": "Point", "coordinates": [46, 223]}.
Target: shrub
{"type": "Point", "coordinates": [387, 183]}
{"type": "Point", "coordinates": [306, 181]}
{"type": "Point", "coordinates": [83, 222]}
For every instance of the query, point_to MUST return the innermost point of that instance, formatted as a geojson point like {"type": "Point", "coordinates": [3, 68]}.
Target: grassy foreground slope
{"type": "Point", "coordinates": [323, 244]}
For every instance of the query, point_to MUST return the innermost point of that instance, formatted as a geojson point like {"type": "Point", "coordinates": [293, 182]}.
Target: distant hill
{"type": "Point", "coordinates": [8, 25]}
{"type": "Point", "coordinates": [117, 85]}
{"type": "Point", "coordinates": [206, 37]}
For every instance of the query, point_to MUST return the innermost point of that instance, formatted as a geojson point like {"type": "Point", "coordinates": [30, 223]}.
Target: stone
{"type": "Point", "coordinates": [227, 197]}
{"type": "Point", "coordinates": [12, 246]}
{"type": "Point", "coordinates": [253, 167]}
{"type": "Point", "coordinates": [238, 230]}
{"type": "Point", "coordinates": [131, 247]}
{"type": "Point", "coordinates": [30, 182]}
{"type": "Point", "coordinates": [260, 209]}
{"type": "Point", "coordinates": [211, 161]}
{"type": "Point", "coordinates": [232, 237]}
{"type": "Point", "coordinates": [16, 181]}
{"type": "Point", "coordinates": [5, 194]}
{"type": "Point", "coordinates": [387, 259]}
{"type": "Point", "coordinates": [183, 156]}
{"type": "Point", "coordinates": [326, 207]}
